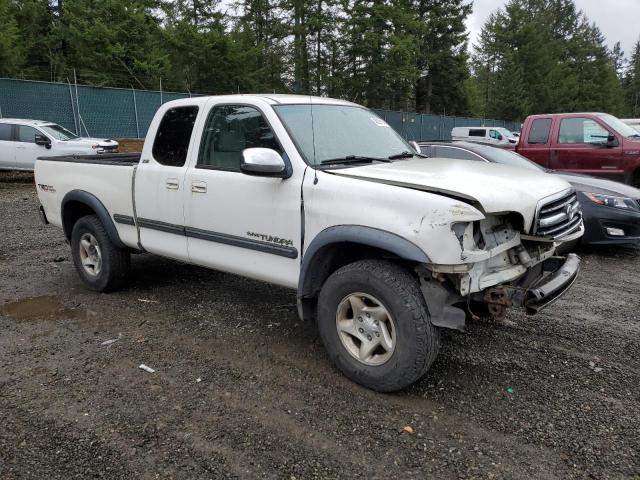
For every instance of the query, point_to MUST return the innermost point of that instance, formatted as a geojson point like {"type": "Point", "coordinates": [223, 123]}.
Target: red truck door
{"type": "Point", "coordinates": [580, 144]}
{"type": "Point", "coordinates": [534, 144]}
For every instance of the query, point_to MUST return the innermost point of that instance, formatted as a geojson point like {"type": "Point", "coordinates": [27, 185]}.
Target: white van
{"type": "Point", "coordinates": [22, 141]}
{"type": "Point", "coordinates": [490, 135]}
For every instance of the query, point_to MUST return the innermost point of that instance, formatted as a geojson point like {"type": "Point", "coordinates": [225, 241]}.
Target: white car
{"type": "Point", "coordinates": [488, 135]}
{"type": "Point", "coordinates": [321, 196]}
{"type": "Point", "coordinates": [22, 141]}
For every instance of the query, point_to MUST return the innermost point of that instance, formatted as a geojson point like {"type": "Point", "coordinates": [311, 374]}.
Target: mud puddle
{"type": "Point", "coordinates": [47, 307]}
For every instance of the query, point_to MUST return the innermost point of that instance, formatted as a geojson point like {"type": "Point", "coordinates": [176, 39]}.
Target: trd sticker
{"type": "Point", "coordinates": [271, 239]}
{"type": "Point", "coordinates": [46, 188]}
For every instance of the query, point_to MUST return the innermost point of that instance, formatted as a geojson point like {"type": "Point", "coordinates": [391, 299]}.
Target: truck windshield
{"type": "Point", "coordinates": [619, 126]}
{"type": "Point", "coordinates": [58, 132]}
{"type": "Point", "coordinates": [341, 132]}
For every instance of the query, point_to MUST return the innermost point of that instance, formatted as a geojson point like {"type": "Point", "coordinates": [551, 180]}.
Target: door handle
{"type": "Point", "coordinates": [172, 184]}
{"type": "Point", "coordinates": [199, 187]}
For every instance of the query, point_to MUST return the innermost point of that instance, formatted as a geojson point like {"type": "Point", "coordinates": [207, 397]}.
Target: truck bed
{"type": "Point", "coordinates": [101, 159]}
{"type": "Point", "coordinates": [108, 177]}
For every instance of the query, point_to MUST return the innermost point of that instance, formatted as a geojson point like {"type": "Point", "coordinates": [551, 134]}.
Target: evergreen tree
{"type": "Point", "coordinates": [11, 56]}
{"type": "Point", "coordinates": [442, 60]}
{"type": "Point", "coordinates": [632, 83]}
{"type": "Point", "coordinates": [538, 56]}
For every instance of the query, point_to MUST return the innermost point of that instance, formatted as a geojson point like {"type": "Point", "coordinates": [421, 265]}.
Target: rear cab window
{"type": "Point", "coordinates": [539, 131]}
{"type": "Point", "coordinates": [171, 145]}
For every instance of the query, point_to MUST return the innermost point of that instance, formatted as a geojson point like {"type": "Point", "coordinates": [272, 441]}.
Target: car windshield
{"type": "Point", "coordinates": [506, 157]}
{"type": "Point", "coordinates": [619, 126]}
{"type": "Point", "coordinates": [58, 132]}
{"type": "Point", "coordinates": [505, 132]}
{"type": "Point", "coordinates": [334, 132]}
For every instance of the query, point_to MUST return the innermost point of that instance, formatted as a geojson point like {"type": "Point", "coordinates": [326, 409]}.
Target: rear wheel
{"type": "Point", "coordinates": [102, 266]}
{"type": "Point", "coordinates": [635, 180]}
{"type": "Point", "coordinates": [374, 323]}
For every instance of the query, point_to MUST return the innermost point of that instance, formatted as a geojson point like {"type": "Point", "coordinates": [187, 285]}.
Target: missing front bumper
{"type": "Point", "coordinates": [557, 276]}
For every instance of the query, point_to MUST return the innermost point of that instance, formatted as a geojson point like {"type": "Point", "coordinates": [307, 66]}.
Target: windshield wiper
{"type": "Point", "coordinates": [405, 154]}
{"type": "Point", "coordinates": [352, 159]}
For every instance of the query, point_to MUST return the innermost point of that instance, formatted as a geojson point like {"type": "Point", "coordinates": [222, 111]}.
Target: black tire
{"type": "Point", "coordinates": [115, 261]}
{"type": "Point", "coordinates": [417, 339]}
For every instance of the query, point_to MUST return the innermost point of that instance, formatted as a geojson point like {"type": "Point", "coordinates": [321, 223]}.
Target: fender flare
{"type": "Point", "coordinates": [368, 236]}
{"type": "Point", "coordinates": [97, 206]}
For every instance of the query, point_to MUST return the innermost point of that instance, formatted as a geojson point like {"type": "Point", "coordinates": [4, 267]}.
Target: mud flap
{"type": "Point", "coordinates": [440, 302]}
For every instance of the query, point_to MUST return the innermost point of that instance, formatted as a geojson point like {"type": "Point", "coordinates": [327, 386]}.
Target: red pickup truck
{"type": "Point", "coordinates": [591, 143]}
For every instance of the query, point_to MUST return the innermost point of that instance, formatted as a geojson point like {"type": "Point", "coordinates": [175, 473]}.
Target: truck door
{"type": "Point", "coordinates": [26, 149]}
{"type": "Point", "coordinates": [537, 142]}
{"type": "Point", "coordinates": [7, 147]}
{"type": "Point", "coordinates": [236, 222]}
{"type": "Point", "coordinates": [582, 147]}
{"type": "Point", "coordinates": [159, 183]}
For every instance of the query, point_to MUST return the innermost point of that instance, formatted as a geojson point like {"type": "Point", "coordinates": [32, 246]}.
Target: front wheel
{"type": "Point", "coordinates": [375, 325]}
{"type": "Point", "coordinates": [102, 266]}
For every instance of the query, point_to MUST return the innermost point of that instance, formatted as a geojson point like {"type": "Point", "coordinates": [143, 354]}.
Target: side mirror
{"type": "Point", "coordinates": [43, 141]}
{"type": "Point", "coordinates": [612, 141]}
{"type": "Point", "coordinates": [263, 162]}
{"type": "Point", "coordinates": [415, 146]}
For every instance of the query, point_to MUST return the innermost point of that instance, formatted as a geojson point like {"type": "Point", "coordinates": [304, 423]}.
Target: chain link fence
{"type": "Point", "coordinates": [127, 113]}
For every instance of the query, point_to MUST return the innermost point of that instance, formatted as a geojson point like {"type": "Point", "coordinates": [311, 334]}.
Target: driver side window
{"type": "Point", "coordinates": [581, 131]}
{"type": "Point", "coordinates": [229, 130]}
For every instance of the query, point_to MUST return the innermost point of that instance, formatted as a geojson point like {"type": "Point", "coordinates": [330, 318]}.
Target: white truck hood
{"type": "Point", "coordinates": [496, 188]}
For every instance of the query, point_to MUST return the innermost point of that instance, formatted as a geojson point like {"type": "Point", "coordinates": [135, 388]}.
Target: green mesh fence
{"type": "Point", "coordinates": [127, 113]}
{"type": "Point", "coordinates": [421, 126]}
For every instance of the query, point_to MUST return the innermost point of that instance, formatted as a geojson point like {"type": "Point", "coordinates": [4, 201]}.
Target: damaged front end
{"type": "Point", "coordinates": [501, 268]}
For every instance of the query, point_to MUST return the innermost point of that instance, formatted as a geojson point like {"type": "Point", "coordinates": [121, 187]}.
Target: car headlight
{"type": "Point", "coordinates": [611, 201]}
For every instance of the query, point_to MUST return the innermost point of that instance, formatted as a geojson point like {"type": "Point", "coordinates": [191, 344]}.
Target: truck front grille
{"type": "Point", "coordinates": [559, 217]}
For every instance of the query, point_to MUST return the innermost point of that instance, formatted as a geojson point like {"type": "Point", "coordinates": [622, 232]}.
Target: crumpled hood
{"type": "Point", "coordinates": [496, 188]}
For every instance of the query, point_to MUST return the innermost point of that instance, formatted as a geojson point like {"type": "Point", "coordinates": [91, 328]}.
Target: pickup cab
{"type": "Point", "coordinates": [23, 141]}
{"type": "Point", "coordinates": [591, 143]}
{"type": "Point", "coordinates": [321, 196]}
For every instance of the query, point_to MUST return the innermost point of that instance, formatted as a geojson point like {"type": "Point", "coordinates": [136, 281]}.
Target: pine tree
{"type": "Point", "coordinates": [537, 56]}
{"type": "Point", "coordinates": [442, 56]}
{"type": "Point", "coordinates": [632, 83]}
{"type": "Point", "coordinates": [11, 56]}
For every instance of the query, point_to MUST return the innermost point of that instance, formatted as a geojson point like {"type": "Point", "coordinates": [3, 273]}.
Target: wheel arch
{"type": "Point", "coordinates": [336, 246]}
{"type": "Point", "coordinates": [79, 203]}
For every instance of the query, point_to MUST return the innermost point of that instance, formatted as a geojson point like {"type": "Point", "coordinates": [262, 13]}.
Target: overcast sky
{"type": "Point", "coordinates": [618, 19]}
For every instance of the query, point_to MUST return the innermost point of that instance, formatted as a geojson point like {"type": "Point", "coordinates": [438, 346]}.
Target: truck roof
{"type": "Point", "coordinates": [271, 98]}
{"type": "Point", "coordinates": [546, 115]}
{"type": "Point", "coordinates": [25, 121]}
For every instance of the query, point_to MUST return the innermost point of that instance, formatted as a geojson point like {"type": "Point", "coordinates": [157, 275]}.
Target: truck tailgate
{"type": "Point", "coordinates": [109, 180]}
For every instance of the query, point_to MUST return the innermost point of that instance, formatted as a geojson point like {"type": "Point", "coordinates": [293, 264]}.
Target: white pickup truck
{"type": "Point", "coordinates": [384, 247]}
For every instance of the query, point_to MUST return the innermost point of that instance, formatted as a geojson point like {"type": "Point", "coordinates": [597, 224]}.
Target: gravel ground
{"type": "Point", "coordinates": [243, 389]}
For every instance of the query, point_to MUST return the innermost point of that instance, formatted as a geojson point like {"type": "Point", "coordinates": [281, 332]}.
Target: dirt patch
{"type": "Point", "coordinates": [243, 389]}
{"type": "Point", "coordinates": [130, 145]}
